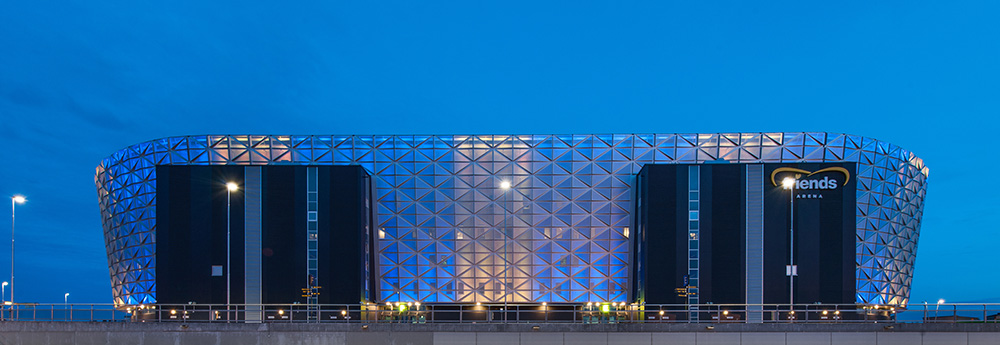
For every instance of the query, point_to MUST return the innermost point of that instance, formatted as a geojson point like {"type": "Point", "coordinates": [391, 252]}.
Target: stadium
{"type": "Point", "coordinates": [519, 219]}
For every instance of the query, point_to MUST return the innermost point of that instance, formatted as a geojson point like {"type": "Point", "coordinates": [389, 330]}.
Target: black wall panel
{"type": "Point", "coordinates": [723, 231]}
{"type": "Point", "coordinates": [824, 239]}
{"type": "Point", "coordinates": [342, 234]}
{"type": "Point", "coordinates": [824, 235]}
{"type": "Point", "coordinates": [191, 233]}
{"type": "Point", "coordinates": [659, 270]}
{"type": "Point", "coordinates": [283, 232]}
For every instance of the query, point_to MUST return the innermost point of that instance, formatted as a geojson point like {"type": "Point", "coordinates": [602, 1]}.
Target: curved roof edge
{"type": "Point", "coordinates": [861, 141]}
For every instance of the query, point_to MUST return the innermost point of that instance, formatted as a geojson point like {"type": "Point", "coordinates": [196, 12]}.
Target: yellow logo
{"type": "Point", "coordinates": [800, 172]}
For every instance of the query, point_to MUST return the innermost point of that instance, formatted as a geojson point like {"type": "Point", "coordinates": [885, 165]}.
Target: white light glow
{"type": "Point", "coordinates": [788, 183]}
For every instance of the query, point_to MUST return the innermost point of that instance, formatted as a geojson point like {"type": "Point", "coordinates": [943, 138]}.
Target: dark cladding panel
{"type": "Point", "coordinates": [824, 233]}
{"type": "Point", "coordinates": [659, 214]}
{"type": "Point", "coordinates": [341, 219]}
{"type": "Point", "coordinates": [191, 234]}
{"type": "Point", "coordinates": [663, 219]}
{"type": "Point", "coordinates": [283, 233]}
{"type": "Point", "coordinates": [723, 233]}
{"type": "Point", "coordinates": [343, 235]}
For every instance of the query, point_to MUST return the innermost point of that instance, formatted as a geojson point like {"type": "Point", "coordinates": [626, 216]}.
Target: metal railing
{"type": "Point", "coordinates": [587, 313]}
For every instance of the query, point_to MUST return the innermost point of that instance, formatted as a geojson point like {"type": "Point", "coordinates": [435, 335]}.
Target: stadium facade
{"type": "Point", "coordinates": [515, 218]}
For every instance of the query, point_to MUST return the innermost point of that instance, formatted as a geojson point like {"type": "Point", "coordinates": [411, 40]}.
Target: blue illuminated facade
{"type": "Point", "coordinates": [448, 232]}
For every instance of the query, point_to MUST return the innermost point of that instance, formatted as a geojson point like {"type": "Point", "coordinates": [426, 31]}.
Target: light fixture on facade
{"type": "Point", "coordinates": [788, 183]}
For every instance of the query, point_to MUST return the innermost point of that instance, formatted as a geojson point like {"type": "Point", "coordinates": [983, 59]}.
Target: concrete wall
{"type": "Point", "coordinates": [12, 333]}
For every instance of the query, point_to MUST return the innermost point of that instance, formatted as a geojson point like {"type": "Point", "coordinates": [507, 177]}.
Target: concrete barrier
{"type": "Point", "coordinates": [41, 333]}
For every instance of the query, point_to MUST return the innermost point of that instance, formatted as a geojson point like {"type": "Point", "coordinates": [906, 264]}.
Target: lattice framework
{"type": "Point", "coordinates": [448, 233]}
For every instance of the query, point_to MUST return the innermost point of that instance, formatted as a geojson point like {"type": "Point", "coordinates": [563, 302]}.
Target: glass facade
{"type": "Point", "coordinates": [448, 232]}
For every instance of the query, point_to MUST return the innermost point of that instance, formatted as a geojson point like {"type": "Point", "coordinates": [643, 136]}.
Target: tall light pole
{"type": "Point", "coordinates": [505, 186]}
{"type": "Point", "coordinates": [230, 188]}
{"type": "Point", "coordinates": [789, 184]}
{"type": "Point", "coordinates": [66, 299]}
{"type": "Point", "coordinates": [3, 303]}
{"type": "Point", "coordinates": [17, 199]}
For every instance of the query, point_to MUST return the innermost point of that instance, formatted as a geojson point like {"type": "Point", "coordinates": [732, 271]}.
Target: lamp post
{"type": "Point", "coordinates": [789, 184]}
{"type": "Point", "coordinates": [17, 199]}
{"type": "Point", "coordinates": [3, 295]}
{"type": "Point", "coordinates": [505, 186]}
{"type": "Point", "coordinates": [66, 299]}
{"type": "Point", "coordinates": [230, 188]}
{"type": "Point", "coordinates": [938, 307]}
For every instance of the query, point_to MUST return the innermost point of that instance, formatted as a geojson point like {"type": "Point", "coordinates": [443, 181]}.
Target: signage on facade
{"type": "Point", "coordinates": [832, 177]}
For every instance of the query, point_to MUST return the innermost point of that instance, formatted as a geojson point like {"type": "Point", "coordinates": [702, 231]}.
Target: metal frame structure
{"type": "Point", "coordinates": [440, 210]}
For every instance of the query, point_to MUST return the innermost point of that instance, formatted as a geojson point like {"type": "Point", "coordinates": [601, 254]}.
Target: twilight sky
{"type": "Point", "coordinates": [82, 79]}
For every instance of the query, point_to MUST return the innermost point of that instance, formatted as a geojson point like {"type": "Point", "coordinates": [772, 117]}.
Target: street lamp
{"type": "Point", "coordinates": [66, 300]}
{"type": "Point", "coordinates": [17, 199]}
{"type": "Point", "coordinates": [938, 307]}
{"type": "Point", "coordinates": [3, 302]}
{"type": "Point", "coordinates": [789, 184]}
{"type": "Point", "coordinates": [230, 188]}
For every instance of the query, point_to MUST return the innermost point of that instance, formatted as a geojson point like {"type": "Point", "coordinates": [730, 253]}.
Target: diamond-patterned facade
{"type": "Point", "coordinates": [449, 233]}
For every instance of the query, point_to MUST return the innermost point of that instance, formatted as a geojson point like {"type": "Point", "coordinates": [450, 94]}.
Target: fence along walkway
{"type": "Point", "coordinates": [589, 313]}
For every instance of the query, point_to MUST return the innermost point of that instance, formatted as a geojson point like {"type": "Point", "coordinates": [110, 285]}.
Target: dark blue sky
{"type": "Point", "coordinates": [80, 80]}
